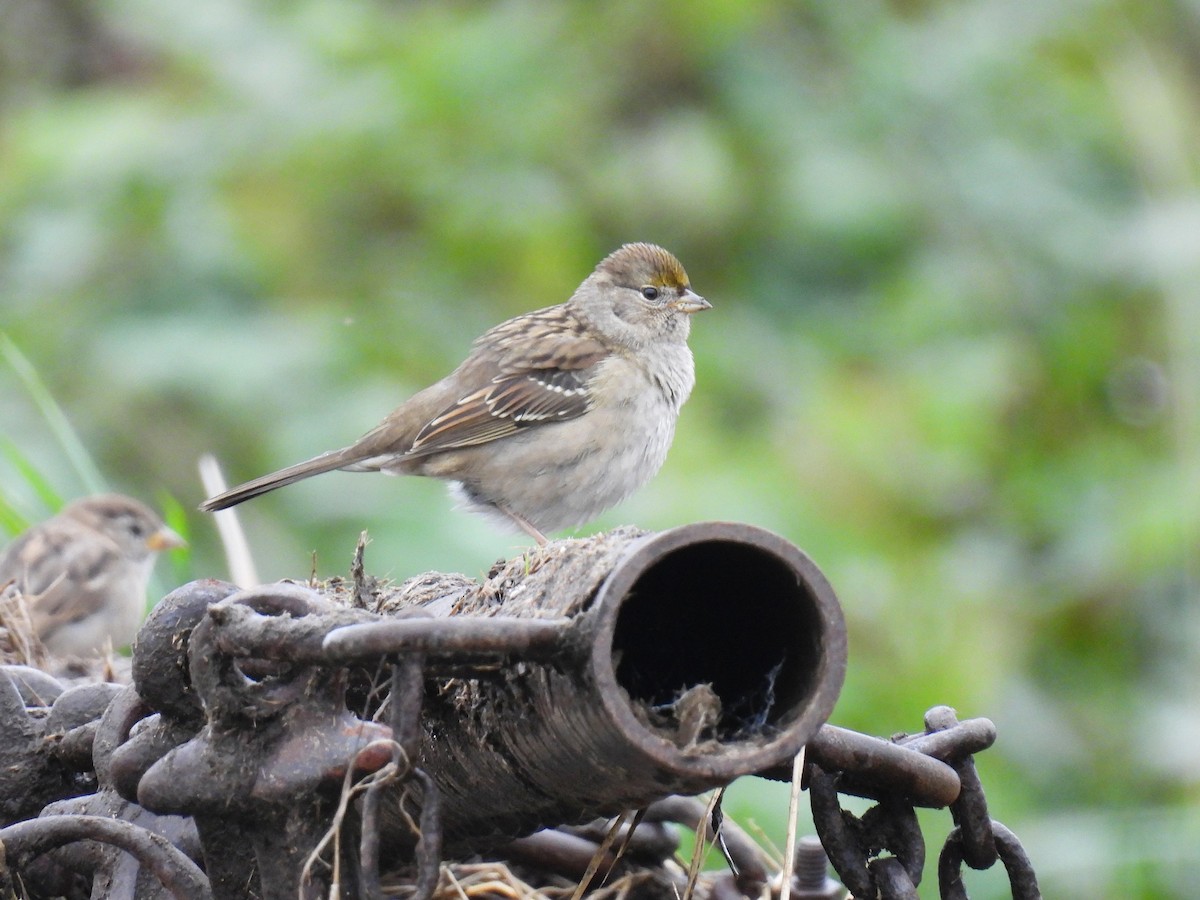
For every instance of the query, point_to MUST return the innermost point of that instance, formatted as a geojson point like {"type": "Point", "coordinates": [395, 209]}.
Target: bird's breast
{"type": "Point", "coordinates": [665, 376]}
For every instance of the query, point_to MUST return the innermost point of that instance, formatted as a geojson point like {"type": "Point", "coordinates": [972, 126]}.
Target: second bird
{"type": "Point", "coordinates": [84, 572]}
{"type": "Point", "coordinates": [556, 415]}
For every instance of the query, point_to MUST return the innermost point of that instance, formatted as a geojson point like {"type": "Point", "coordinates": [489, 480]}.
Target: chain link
{"type": "Point", "coordinates": [881, 854]}
{"type": "Point", "coordinates": [1022, 880]}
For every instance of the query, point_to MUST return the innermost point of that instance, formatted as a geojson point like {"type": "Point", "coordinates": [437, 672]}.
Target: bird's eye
{"type": "Point", "coordinates": [650, 292]}
{"type": "Point", "coordinates": [136, 528]}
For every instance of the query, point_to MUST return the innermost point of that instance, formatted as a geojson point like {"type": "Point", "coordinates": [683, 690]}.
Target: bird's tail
{"type": "Point", "coordinates": [326, 462]}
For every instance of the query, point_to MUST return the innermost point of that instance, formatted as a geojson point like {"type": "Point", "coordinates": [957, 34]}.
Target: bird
{"type": "Point", "coordinates": [555, 415]}
{"type": "Point", "coordinates": [84, 572]}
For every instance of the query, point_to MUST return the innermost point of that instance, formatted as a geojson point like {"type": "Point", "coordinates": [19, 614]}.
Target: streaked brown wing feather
{"type": "Point", "coordinates": [56, 568]}
{"type": "Point", "coordinates": [547, 339]}
{"type": "Point", "coordinates": [41, 555]}
{"type": "Point", "coordinates": [511, 403]}
{"type": "Point", "coordinates": [538, 396]}
{"type": "Point", "coordinates": [468, 422]}
{"type": "Point", "coordinates": [64, 602]}
{"type": "Point", "coordinates": [538, 365]}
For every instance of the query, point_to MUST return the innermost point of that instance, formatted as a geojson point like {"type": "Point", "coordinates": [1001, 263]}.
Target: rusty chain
{"type": "Point", "coordinates": [881, 854]}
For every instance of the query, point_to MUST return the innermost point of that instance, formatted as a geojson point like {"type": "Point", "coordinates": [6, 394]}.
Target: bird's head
{"type": "Point", "coordinates": [640, 293]}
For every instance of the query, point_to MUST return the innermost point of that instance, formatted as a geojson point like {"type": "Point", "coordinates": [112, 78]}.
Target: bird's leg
{"type": "Point", "coordinates": [524, 524]}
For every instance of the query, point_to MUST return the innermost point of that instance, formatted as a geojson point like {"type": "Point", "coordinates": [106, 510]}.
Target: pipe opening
{"type": "Point", "coordinates": [724, 614]}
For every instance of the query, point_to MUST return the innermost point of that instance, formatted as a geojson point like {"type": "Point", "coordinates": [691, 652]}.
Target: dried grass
{"type": "Point", "coordinates": [19, 642]}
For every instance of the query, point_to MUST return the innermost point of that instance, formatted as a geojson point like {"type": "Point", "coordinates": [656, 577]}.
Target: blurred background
{"type": "Point", "coordinates": [953, 251]}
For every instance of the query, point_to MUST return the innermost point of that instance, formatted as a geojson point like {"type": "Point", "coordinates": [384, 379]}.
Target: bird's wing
{"type": "Point", "coordinates": [63, 602]}
{"type": "Point", "coordinates": [61, 572]}
{"type": "Point", "coordinates": [528, 371]}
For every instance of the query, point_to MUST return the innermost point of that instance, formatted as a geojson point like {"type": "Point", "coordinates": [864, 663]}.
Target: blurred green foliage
{"type": "Point", "coordinates": [953, 250]}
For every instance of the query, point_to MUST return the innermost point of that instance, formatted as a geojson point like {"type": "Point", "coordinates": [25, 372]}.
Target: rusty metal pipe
{"type": "Point", "coordinates": [692, 657]}
{"type": "Point", "coordinates": [578, 680]}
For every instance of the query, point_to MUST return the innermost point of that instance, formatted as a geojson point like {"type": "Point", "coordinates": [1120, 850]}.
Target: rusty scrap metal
{"type": "Point", "coordinates": [269, 762]}
{"type": "Point", "coordinates": [35, 687]}
{"type": "Point", "coordinates": [1022, 879]}
{"type": "Point", "coordinates": [24, 841]}
{"type": "Point", "coordinates": [969, 809]}
{"type": "Point", "coordinates": [593, 676]}
{"type": "Point", "coordinates": [856, 844]}
{"type": "Point", "coordinates": [465, 640]}
{"type": "Point", "coordinates": [298, 740]}
{"type": "Point", "coordinates": [948, 739]}
{"type": "Point", "coordinates": [68, 844]}
{"type": "Point", "coordinates": [44, 740]}
{"type": "Point", "coordinates": [104, 863]}
{"type": "Point", "coordinates": [810, 872]}
{"type": "Point", "coordinates": [692, 657]}
{"type": "Point", "coordinates": [874, 766]}
{"type": "Point", "coordinates": [570, 850]}
{"type": "Point", "coordinates": [749, 869]}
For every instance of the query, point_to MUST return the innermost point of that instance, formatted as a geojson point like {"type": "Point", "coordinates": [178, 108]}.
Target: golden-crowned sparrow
{"type": "Point", "coordinates": [84, 572]}
{"type": "Point", "coordinates": [556, 415]}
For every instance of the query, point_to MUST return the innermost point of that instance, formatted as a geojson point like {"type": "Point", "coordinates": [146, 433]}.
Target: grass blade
{"type": "Point", "coordinates": [37, 482]}
{"type": "Point", "coordinates": [55, 418]}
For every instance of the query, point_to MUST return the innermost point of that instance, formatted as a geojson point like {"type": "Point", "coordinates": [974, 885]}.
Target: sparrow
{"type": "Point", "coordinates": [84, 572]}
{"type": "Point", "coordinates": [555, 415]}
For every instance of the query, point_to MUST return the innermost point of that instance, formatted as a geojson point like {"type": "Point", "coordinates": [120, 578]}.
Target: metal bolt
{"type": "Point", "coordinates": [810, 873]}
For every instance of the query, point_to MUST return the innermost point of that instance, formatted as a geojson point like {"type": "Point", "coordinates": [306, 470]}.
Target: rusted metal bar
{"type": "Point", "coordinates": [463, 639]}
{"type": "Point", "coordinates": [429, 846]}
{"type": "Point", "coordinates": [877, 768]}
{"type": "Point", "coordinates": [277, 623]}
{"type": "Point", "coordinates": [24, 841]}
{"type": "Point", "coordinates": [346, 635]}
{"type": "Point", "coordinates": [955, 740]}
{"type": "Point", "coordinates": [751, 874]}
{"type": "Point", "coordinates": [557, 851]}
{"type": "Point", "coordinates": [637, 838]}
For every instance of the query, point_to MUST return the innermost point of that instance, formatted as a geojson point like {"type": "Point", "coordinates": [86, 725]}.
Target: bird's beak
{"type": "Point", "coordinates": [164, 539]}
{"type": "Point", "coordinates": [689, 302]}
